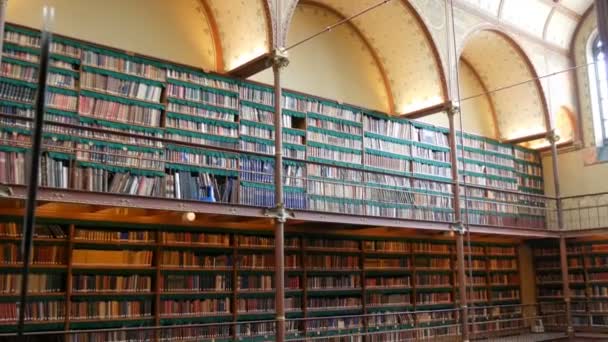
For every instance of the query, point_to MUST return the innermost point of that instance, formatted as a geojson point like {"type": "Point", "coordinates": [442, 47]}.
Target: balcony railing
{"type": "Point", "coordinates": [490, 323]}
{"type": "Point", "coordinates": [585, 211]}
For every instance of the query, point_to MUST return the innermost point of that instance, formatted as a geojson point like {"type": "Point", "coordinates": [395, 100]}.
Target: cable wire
{"type": "Point", "coordinates": [343, 21]}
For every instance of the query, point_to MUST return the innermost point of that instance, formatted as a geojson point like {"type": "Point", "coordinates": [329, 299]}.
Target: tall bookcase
{"type": "Point", "coordinates": [587, 276]}
{"type": "Point", "coordinates": [142, 126]}
{"type": "Point", "coordinates": [94, 275]}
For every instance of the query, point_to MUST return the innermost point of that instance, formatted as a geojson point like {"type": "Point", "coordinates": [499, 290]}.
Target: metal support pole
{"type": "Point", "coordinates": [279, 60]}
{"type": "Point", "coordinates": [563, 251]}
{"type": "Point", "coordinates": [32, 172]}
{"type": "Point", "coordinates": [3, 4]}
{"type": "Point", "coordinates": [459, 227]}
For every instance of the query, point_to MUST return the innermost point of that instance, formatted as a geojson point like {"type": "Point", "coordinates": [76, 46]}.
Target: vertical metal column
{"type": "Point", "coordinates": [3, 5]}
{"type": "Point", "coordinates": [563, 252]}
{"type": "Point", "coordinates": [280, 216]}
{"type": "Point", "coordinates": [33, 169]}
{"type": "Point", "coordinates": [459, 227]}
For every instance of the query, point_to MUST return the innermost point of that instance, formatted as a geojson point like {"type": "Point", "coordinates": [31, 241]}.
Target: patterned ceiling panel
{"type": "Point", "coordinates": [488, 6]}
{"type": "Point", "coordinates": [530, 17]}
{"type": "Point", "coordinates": [242, 28]}
{"type": "Point", "coordinates": [578, 6]}
{"type": "Point", "coordinates": [560, 17]}
{"type": "Point", "coordinates": [403, 49]}
{"type": "Point", "coordinates": [520, 109]}
{"type": "Point", "coordinates": [560, 30]}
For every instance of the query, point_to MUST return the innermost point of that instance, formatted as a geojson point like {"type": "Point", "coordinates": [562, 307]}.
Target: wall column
{"type": "Point", "coordinates": [459, 227]}
{"type": "Point", "coordinates": [279, 61]}
{"type": "Point", "coordinates": [563, 252]}
{"type": "Point", "coordinates": [3, 5]}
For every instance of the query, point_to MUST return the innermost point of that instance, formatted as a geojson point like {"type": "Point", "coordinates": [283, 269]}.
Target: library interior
{"type": "Point", "coordinates": [441, 171]}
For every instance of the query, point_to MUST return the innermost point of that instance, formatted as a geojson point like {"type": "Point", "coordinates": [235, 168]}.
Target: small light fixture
{"type": "Point", "coordinates": [188, 217]}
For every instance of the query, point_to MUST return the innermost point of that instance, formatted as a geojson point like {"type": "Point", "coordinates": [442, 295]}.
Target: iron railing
{"type": "Point", "coordinates": [486, 323]}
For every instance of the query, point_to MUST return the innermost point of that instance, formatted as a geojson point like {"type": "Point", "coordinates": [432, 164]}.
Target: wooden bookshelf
{"type": "Point", "coordinates": [325, 276]}
{"type": "Point", "coordinates": [187, 107]}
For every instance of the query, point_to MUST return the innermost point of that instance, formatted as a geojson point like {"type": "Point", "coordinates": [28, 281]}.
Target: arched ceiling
{"type": "Point", "coordinates": [520, 110]}
{"type": "Point", "coordinates": [242, 29]}
{"type": "Point", "coordinates": [478, 114]}
{"type": "Point", "coordinates": [339, 66]}
{"type": "Point", "coordinates": [553, 21]}
{"type": "Point", "coordinates": [403, 47]}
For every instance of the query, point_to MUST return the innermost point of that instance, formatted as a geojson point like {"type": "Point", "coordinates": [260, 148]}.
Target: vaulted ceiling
{"type": "Point", "coordinates": [552, 21]}
{"type": "Point", "coordinates": [403, 47]}
{"type": "Point", "coordinates": [500, 63]}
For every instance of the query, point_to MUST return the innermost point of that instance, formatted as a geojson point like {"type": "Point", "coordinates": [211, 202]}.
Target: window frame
{"type": "Point", "coordinates": [602, 102]}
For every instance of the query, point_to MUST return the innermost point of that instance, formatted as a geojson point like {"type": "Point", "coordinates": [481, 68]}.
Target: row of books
{"type": "Point", "coordinates": [265, 197]}
{"type": "Point", "coordinates": [116, 86]}
{"type": "Point", "coordinates": [202, 95]}
{"type": "Point", "coordinates": [114, 335]}
{"type": "Point", "coordinates": [323, 138]}
{"type": "Point", "coordinates": [255, 282]}
{"type": "Point", "coordinates": [194, 333]}
{"type": "Point", "coordinates": [432, 263]}
{"type": "Point", "coordinates": [116, 111]}
{"type": "Point", "coordinates": [196, 238]}
{"type": "Point", "coordinates": [17, 92]}
{"type": "Point", "coordinates": [257, 95]}
{"type": "Point", "coordinates": [195, 307]}
{"type": "Point", "coordinates": [196, 283]}
{"type": "Point", "coordinates": [21, 39]}
{"type": "Point", "coordinates": [39, 311]}
{"type": "Point", "coordinates": [333, 282]}
{"type": "Point", "coordinates": [255, 305]}
{"type": "Point", "coordinates": [110, 309]}
{"type": "Point", "coordinates": [99, 180]}
{"type": "Point", "coordinates": [259, 115]}
{"type": "Point", "coordinates": [88, 257]}
{"type": "Point", "coordinates": [194, 259]}
{"type": "Point", "coordinates": [202, 127]}
{"type": "Point", "coordinates": [50, 231]}
{"type": "Point", "coordinates": [255, 241]}
{"type": "Point", "coordinates": [334, 126]}
{"type": "Point", "coordinates": [26, 73]}
{"type": "Point", "coordinates": [10, 283]}
{"type": "Point", "coordinates": [210, 113]}
{"type": "Point", "coordinates": [122, 183]}
{"type": "Point", "coordinates": [42, 255]}
{"type": "Point", "coordinates": [371, 263]}
{"type": "Point", "coordinates": [348, 262]}
{"type": "Point", "coordinates": [123, 65]}
{"type": "Point", "coordinates": [201, 79]}
{"type": "Point", "coordinates": [109, 235]}
{"type": "Point", "coordinates": [502, 263]}
{"type": "Point", "coordinates": [325, 303]}
{"type": "Point", "coordinates": [85, 283]}
{"type": "Point", "coordinates": [380, 300]}
{"type": "Point", "coordinates": [433, 279]}
{"type": "Point", "coordinates": [388, 282]}
{"type": "Point", "coordinates": [202, 187]}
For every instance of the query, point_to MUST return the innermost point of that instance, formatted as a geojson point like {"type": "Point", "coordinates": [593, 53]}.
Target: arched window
{"type": "Point", "coordinates": [601, 87]}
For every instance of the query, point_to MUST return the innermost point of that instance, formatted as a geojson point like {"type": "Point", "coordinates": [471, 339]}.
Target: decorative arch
{"type": "Point", "coordinates": [464, 65]}
{"type": "Point", "coordinates": [243, 29]}
{"type": "Point", "coordinates": [403, 47]}
{"type": "Point", "coordinates": [502, 63]}
{"type": "Point", "coordinates": [387, 87]}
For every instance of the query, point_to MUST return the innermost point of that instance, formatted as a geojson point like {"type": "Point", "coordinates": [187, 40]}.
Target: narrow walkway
{"type": "Point", "coordinates": [529, 338]}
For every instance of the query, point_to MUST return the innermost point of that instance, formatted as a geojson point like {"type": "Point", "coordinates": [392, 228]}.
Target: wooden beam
{"type": "Point", "coordinates": [526, 138]}
{"type": "Point", "coordinates": [434, 109]}
{"type": "Point", "coordinates": [252, 67]}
